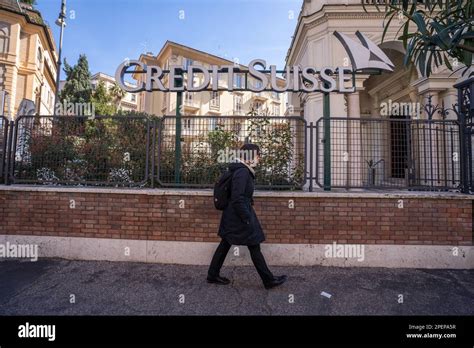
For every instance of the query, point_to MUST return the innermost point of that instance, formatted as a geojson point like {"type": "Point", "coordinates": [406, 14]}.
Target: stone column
{"type": "Point", "coordinates": [450, 99]}
{"type": "Point", "coordinates": [435, 102]}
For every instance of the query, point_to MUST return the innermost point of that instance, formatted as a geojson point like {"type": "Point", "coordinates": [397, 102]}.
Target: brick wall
{"type": "Point", "coordinates": [314, 219]}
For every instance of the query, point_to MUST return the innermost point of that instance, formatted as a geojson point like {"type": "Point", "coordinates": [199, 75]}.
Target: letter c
{"type": "Point", "coordinates": [122, 69]}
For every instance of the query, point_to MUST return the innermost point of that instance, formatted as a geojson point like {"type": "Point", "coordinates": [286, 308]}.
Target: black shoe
{"type": "Point", "coordinates": [218, 280]}
{"type": "Point", "coordinates": [276, 281]}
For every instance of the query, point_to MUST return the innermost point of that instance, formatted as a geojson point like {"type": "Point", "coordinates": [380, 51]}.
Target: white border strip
{"type": "Point", "coordinates": [319, 193]}
{"type": "Point", "coordinates": [200, 253]}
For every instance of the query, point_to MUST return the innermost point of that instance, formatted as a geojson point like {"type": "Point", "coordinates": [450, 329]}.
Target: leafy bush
{"type": "Point", "coordinates": [199, 163]}
{"type": "Point", "coordinates": [84, 149]}
{"type": "Point", "coordinates": [278, 164]}
{"type": "Point", "coordinates": [114, 151]}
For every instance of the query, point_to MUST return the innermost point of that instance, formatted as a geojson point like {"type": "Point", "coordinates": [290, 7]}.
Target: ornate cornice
{"type": "Point", "coordinates": [327, 13]}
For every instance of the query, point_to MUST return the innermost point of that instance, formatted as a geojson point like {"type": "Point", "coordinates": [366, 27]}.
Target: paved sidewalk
{"type": "Point", "coordinates": [126, 288]}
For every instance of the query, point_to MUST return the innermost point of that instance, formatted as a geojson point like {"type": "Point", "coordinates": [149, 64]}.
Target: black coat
{"type": "Point", "coordinates": [239, 223]}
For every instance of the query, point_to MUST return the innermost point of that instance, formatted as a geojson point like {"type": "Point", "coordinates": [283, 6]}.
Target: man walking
{"type": "Point", "coordinates": [239, 223]}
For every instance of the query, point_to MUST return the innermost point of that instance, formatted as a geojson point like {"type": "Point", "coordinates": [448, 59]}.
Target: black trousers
{"type": "Point", "coordinates": [255, 253]}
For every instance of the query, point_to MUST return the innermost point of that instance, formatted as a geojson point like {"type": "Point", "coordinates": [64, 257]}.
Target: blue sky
{"type": "Point", "coordinates": [109, 31]}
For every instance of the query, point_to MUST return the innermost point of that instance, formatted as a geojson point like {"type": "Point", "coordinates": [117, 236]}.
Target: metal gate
{"type": "Point", "coordinates": [385, 153]}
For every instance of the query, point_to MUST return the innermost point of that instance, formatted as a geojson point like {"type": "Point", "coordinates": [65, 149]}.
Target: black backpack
{"type": "Point", "coordinates": [222, 190]}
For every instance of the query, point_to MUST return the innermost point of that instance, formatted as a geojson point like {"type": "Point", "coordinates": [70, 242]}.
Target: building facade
{"type": "Point", "coordinates": [314, 44]}
{"type": "Point", "coordinates": [219, 103]}
{"type": "Point", "coordinates": [28, 59]}
{"type": "Point", "coordinates": [129, 101]}
{"type": "Point", "coordinates": [357, 146]}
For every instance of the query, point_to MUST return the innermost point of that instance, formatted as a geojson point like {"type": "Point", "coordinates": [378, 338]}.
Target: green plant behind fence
{"type": "Point", "coordinates": [203, 151]}
{"type": "Point", "coordinates": [67, 150]}
{"type": "Point", "coordinates": [114, 151]}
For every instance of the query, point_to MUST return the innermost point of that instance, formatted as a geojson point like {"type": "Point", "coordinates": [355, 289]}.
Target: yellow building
{"type": "Point", "coordinates": [28, 59]}
{"type": "Point", "coordinates": [221, 103]}
{"type": "Point", "coordinates": [129, 101]}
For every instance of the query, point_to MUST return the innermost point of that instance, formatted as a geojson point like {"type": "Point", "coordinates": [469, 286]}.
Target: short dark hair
{"type": "Point", "coordinates": [250, 147]}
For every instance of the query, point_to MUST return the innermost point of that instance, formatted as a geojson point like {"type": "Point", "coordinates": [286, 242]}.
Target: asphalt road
{"type": "Point", "coordinates": [46, 287]}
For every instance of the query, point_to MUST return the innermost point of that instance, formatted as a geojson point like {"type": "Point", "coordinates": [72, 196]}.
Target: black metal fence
{"type": "Point", "coordinates": [209, 144]}
{"type": "Point", "coordinates": [136, 151]}
{"type": "Point", "coordinates": [389, 153]}
{"type": "Point", "coordinates": [81, 151]}
{"type": "Point", "coordinates": [191, 151]}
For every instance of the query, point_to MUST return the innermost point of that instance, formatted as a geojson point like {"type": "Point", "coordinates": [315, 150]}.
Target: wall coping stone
{"type": "Point", "coordinates": [336, 193]}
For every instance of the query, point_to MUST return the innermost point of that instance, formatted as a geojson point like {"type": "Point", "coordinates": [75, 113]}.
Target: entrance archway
{"type": "Point", "coordinates": [386, 139]}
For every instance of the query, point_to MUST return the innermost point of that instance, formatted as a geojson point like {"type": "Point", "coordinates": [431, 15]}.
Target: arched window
{"type": "Point", "coordinates": [4, 37]}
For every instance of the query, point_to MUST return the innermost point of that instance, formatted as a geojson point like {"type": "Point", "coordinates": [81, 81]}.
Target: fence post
{"type": "Point", "coordinates": [153, 151]}
{"type": "Point", "coordinates": [311, 144]}
{"type": "Point", "coordinates": [9, 157]}
{"type": "Point", "coordinates": [462, 147]}
{"type": "Point", "coordinates": [327, 143]}
{"type": "Point", "coordinates": [179, 103]}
